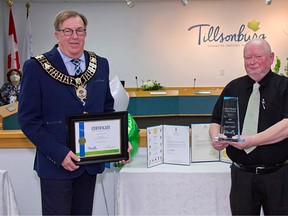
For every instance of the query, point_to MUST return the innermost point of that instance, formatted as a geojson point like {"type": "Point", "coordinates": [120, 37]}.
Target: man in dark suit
{"type": "Point", "coordinates": [50, 90]}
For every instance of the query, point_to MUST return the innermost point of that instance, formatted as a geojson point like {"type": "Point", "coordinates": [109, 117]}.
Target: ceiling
{"type": "Point", "coordinates": [60, 1]}
{"type": "Point", "coordinates": [85, 0]}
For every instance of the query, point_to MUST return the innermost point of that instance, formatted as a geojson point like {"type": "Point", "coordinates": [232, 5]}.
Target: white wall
{"type": "Point", "coordinates": [152, 41]}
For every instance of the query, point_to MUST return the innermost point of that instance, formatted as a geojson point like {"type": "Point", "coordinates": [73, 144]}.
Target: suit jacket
{"type": "Point", "coordinates": [43, 105]}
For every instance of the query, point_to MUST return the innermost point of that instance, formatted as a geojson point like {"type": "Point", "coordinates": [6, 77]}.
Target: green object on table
{"type": "Point", "coordinates": [133, 137]}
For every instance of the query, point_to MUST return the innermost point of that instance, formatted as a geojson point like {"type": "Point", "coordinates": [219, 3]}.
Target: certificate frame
{"type": "Point", "coordinates": [98, 138]}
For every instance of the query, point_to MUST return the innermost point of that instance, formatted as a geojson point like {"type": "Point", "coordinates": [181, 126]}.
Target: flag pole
{"type": "Point", "coordinates": [27, 9]}
{"type": "Point", "coordinates": [9, 2]}
{"type": "Point", "coordinates": [27, 42]}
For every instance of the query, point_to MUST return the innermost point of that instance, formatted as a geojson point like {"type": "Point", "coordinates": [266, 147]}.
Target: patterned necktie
{"type": "Point", "coordinates": [250, 126]}
{"type": "Point", "coordinates": [78, 71]}
{"type": "Point", "coordinates": [77, 68]}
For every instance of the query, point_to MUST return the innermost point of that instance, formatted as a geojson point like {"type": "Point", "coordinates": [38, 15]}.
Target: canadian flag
{"type": "Point", "coordinates": [13, 55]}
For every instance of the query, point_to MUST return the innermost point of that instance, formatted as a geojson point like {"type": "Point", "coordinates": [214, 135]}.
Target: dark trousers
{"type": "Point", "coordinates": [249, 192]}
{"type": "Point", "coordinates": [68, 197]}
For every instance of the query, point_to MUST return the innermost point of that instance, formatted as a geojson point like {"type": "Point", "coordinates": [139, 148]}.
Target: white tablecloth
{"type": "Point", "coordinates": [198, 189]}
{"type": "Point", "coordinates": [8, 204]}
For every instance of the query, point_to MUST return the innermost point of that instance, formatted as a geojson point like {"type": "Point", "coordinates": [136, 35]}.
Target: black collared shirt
{"type": "Point", "coordinates": [273, 108]}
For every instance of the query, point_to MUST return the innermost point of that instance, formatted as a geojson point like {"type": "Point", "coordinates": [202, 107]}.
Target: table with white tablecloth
{"type": "Point", "coordinates": [8, 204]}
{"type": "Point", "coordinates": [199, 189]}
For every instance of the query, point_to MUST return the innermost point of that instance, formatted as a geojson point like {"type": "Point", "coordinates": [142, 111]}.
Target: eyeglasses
{"type": "Point", "coordinates": [69, 31]}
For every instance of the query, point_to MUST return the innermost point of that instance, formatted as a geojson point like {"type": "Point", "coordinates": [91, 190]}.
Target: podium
{"type": "Point", "coordinates": [9, 116]}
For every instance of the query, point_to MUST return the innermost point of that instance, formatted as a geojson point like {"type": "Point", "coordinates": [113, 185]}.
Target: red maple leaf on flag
{"type": "Point", "coordinates": [13, 55]}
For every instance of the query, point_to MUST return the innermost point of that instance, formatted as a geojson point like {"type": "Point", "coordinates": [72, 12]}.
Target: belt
{"type": "Point", "coordinates": [261, 169]}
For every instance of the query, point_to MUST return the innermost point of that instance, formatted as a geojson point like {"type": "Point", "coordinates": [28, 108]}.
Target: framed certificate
{"type": "Point", "coordinates": [98, 138]}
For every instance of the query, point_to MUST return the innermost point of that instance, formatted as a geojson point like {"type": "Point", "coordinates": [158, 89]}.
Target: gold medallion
{"type": "Point", "coordinates": [82, 140]}
{"type": "Point", "coordinates": [81, 93]}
